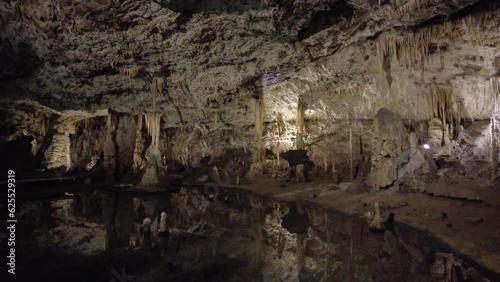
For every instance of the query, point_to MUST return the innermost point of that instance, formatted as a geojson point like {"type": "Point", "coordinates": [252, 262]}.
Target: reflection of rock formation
{"type": "Point", "coordinates": [153, 163]}
{"type": "Point", "coordinates": [118, 214]}
{"type": "Point", "coordinates": [388, 142]}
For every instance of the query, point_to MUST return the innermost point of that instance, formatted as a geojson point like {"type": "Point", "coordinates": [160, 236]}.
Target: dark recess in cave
{"type": "Point", "coordinates": [326, 18]}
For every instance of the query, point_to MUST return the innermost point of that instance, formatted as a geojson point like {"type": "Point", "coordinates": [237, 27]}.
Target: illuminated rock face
{"type": "Point", "coordinates": [388, 142]}
{"type": "Point", "coordinates": [215, 58]}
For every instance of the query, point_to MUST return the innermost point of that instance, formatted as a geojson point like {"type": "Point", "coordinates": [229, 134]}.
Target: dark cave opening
{"type": "Point", "coordinates": [323, 19]}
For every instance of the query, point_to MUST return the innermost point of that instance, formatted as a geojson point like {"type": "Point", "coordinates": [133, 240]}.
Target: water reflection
{"type": "Point", "coordinates": [214, 235]}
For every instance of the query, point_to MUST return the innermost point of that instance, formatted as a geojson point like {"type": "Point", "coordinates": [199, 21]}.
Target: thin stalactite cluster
{"type": "Point", "coordinates": [412, 49]}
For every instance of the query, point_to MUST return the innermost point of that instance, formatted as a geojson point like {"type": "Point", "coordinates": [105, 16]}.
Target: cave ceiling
{"type": "Point", "coordinates": [94, 55]}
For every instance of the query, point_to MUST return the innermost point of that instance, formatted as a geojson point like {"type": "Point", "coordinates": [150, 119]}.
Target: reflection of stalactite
{"type": "Point", "coordinates": [258, 237]}
{"type": "Point", "coordinates": [280, 244]}
{"type": "Point", "coordinates": [301, 258]}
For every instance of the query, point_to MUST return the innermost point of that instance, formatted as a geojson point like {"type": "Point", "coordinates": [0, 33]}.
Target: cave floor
{"type": "Point", "coordinates": [471, 225]}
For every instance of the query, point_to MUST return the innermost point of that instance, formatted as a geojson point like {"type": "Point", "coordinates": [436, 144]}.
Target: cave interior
{"type": "Point", "coordinates": [271, 140]}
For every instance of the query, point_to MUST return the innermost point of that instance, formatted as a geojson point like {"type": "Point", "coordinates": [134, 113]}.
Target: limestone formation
{"type": "Point", "coordinates": [393, 102]}
{"type": "Point", "coordinates": [388, 142]}
{"type": "Point", "coordinates": [377, 222]}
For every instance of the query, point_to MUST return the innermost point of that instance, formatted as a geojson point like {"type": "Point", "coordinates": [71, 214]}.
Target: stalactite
{"type": "Point", "coordinates": [259, 128]}
{"type": "Point", "coordinates": [280, 129]}
{"type": "Point", "coordinates": [351, 161]}
{"type": "Point", "coordinates": [495, 89]}
{"type": "Point", "coordinates": [412, 48]}
{"type": "Point", "coordinates": [410, 6]}
{"type": "Point", "coordinates": [216, 119]}
{"type": "Point", "coordinates": [334, 172]}
{"type": "Point", "coordinates": [157, 85]}
{"type": "Point", "coordinates": [440, 101]}
{"type": "Point", "coordinates": [300, 124]}
{"type": "Point", "coordinates": [300, 115]}
{"type": "Point", "coordinates": [153, 126]}
{"type": "Point", "coordinates": [353, 90]}
{"type": "Point", "coordinates": [494, 149]}
{"type": "Point", "coordinates": [280, 124]}
{"type": "Point", "coordinates": [130, 72]}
